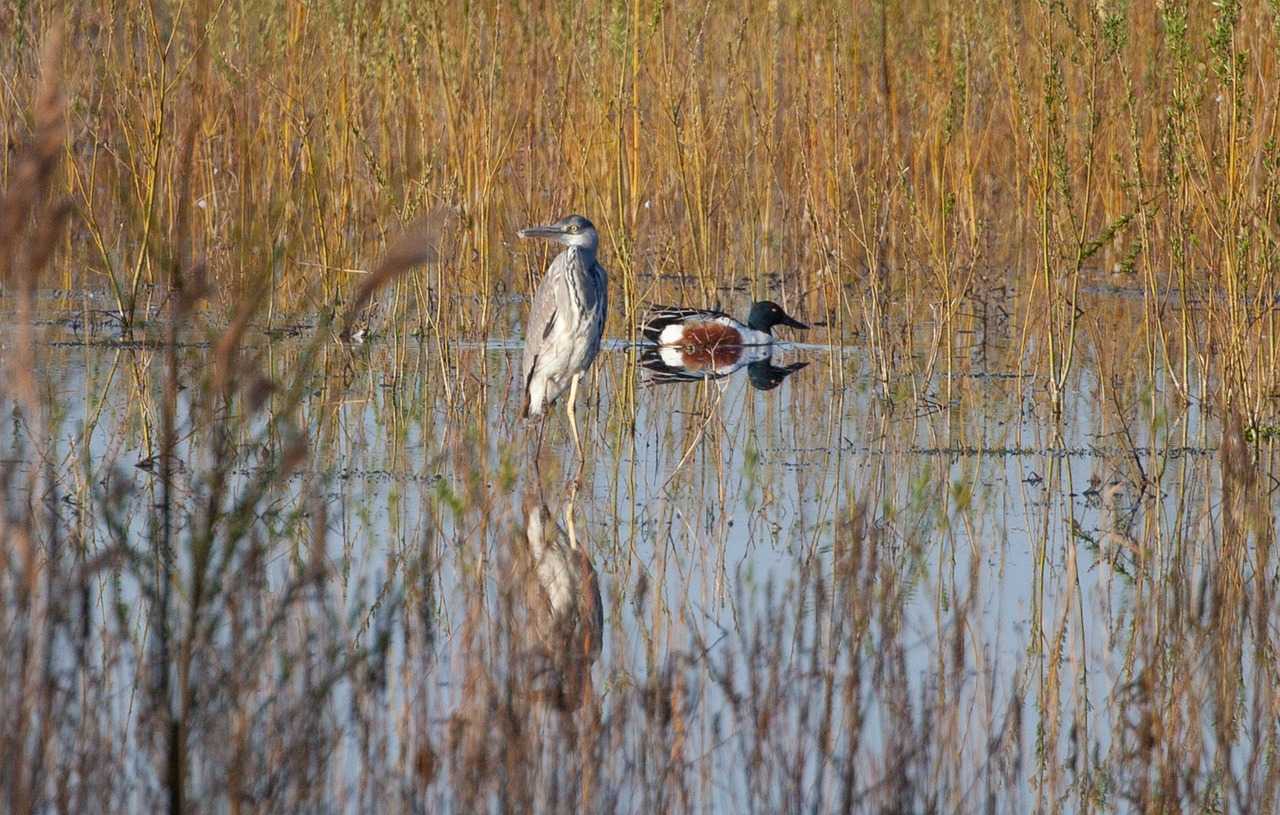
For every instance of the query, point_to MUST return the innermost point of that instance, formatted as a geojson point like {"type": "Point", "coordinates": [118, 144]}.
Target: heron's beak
{"type": "Point", "coordinates": [787, 319]}
{"type": "Point", "coordinates": [549, 231]}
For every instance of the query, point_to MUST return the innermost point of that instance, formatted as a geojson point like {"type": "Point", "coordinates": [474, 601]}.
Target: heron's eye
{"type": "Point", "coordinates": [573, 228]}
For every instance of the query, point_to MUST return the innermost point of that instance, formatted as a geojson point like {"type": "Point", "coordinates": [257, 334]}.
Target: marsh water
{"type": "Point", "coordinates": [838, 590]}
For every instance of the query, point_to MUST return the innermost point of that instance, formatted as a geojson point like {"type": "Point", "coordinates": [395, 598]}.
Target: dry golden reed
{"type": "Point", "coordinates": [952, 188]}
{"type": "Point", "coordinates": [874, 164]}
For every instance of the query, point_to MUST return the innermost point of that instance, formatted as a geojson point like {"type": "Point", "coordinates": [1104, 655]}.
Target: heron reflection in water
{"type": "Point", "coordinates": [565, 612]}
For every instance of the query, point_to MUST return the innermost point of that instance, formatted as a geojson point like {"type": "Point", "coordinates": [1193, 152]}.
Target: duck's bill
{"type": "Point", "coordinates": [794, 323]}
{"type": "Point", "coordinates": [545, 231]}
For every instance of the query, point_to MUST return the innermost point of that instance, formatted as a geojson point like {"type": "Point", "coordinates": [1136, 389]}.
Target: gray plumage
{"type": "Point", "coordinates": [568, 314]}
{"type": "Point", "coordinates": [565, 612]}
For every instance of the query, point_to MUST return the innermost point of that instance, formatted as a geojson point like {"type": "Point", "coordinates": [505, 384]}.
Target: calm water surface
{"type": "Point", "coordinates": [1002, 537]}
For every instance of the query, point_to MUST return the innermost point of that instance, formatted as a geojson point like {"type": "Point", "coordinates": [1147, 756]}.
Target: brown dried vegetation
{"type": "Point", "coordinates": [932, 178]}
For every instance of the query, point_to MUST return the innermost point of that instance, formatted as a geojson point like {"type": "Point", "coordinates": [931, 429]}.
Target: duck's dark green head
{"type": "Point", "coordinates": [765, 314]}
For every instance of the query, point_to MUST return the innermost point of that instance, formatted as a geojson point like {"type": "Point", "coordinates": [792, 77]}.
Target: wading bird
{"type": "Point", "coordinates": [564, 604]}
{"type": "Point", "coordinates": [702, 328]}
{"type": "Point", "coordinates": [567, 317]}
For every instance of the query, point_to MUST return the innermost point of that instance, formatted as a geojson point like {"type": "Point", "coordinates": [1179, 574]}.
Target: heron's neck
{"type": "Point", "coordinates": [584, 253]}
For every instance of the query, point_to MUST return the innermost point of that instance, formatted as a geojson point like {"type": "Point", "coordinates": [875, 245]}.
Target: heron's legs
{"type": "Point", "coordinates": [573, 425]}
{"type": "Point", "coordinates": [537, 450]}
{"type": "Point", "coordinates": [568, 514]}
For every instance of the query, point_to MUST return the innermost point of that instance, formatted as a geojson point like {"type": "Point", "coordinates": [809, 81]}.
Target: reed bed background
{"type": "Point", "coordinates": [1021, 225]}
{"type": "Point", "coordinates": [922, 152]}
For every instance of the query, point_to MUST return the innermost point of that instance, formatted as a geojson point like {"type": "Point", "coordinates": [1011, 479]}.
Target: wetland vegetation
{"type": "Point", "coordinates": [995, 536]}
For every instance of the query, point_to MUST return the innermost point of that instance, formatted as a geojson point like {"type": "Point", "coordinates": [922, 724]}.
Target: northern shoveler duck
{"type": "Point", "coordinates": [705, 328]}
{"type": "Point", "coordinates": [694, 363]}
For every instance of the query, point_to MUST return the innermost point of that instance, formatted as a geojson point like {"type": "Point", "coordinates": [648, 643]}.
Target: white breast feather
{"type": "Point", "coordinates": [671, 335]}
{"type": "Point", "coordinates": [555, 573]}
{"type": "Point", "coordinates": [671, 356]}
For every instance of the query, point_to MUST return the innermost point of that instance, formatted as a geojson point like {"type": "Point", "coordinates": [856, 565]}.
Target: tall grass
{"type": "Point", "coordinates": [955, 148]}
{"type": "Point", "coordinates": [961, 190]}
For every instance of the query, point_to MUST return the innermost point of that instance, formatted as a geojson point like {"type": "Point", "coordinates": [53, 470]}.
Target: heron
{"type": "Point", "coordinates": [564, 602]}
{"type": "Point", "coordinates": [567, 318]}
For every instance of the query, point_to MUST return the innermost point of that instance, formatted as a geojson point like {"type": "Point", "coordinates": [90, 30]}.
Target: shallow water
{"type": "Point", "coordinates": [1002, 619]}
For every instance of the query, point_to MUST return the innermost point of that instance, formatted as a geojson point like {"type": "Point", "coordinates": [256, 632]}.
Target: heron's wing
{"type": "Point", "coordinates": [603, 282]}
{"type": "Point", "coordinates": [542, 319]}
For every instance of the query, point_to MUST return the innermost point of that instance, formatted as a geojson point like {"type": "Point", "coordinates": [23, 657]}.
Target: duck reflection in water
{"type": "Point", "coordinates": [696, 363]}
{"type": "Point", "coordinates": [701, 344]}
{"type": "Point", "coordinates": [565, 613]}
